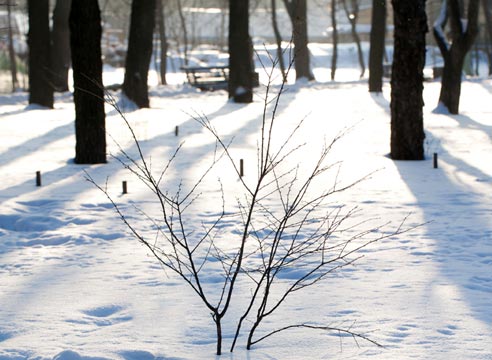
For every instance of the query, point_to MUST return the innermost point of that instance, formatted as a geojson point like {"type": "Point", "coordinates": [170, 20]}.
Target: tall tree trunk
{"type": "Point", "coordinates": [297, 10]}
{"type": "Point", "coordinates": [352, 16]}
{"type": "Point", "coordinates": [12, 56]}
{"type": "Point", "coordinates": [240, 53]}
{"type": "Point", "coordinates": [163, 41]}
{"type": "Point", "coordinates": [377, 40]}
{"type": "Point", "coordinates": [85, 42]}
{"type": "Point", "coordinates": [40, 83]}
{"type": "Point", "coordinates": [463, 34]}
{"type": "Point", "coordinates": [278, 40]}
{"type": "Point", "coordinates": [334, 25]}
{"type": "Point", "coordinates": [60, 45]}
{"type": "Point", "coordinates": [407, 129]}
{"type": "Point", "coordinates": [139, 52]}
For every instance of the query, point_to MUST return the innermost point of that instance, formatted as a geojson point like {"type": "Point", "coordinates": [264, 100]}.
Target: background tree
{"type": "Point", "coordinates": [377, 41]}
{"type": "Point", "coordinates": [278, 39]}
{"type": "Point", "coordinates": [407, 125]}
{"type": "Point", "coordinates": [85, 42]}
{"type": "Point", "coordinates": [12, 56]}
{"type": "Point", "coordinates": [139, 52]}
{"type": "Point", "coordinates": [462, 35]}
{"type": "Point", "coordinates": [163, 40]}
{"type": "Point", "coordinates": [334, 26]}
{"type": "Point", "coordinates": [352, 16]}
{"type": "Point", "coordinates": [60, 45]}
{"type": "Point", "coordinates": [488, 27]}
{"type": "Point", "coordinates": [297, 10]}
{"type": "Point", "coordinates": [184, 31]}
{"type": "Point", "coordinates": [40, 83]}
{"type": "Point", "coordinates": [240, 53]}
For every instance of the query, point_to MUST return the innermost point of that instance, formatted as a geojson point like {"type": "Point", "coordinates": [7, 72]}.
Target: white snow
{"type": "Point", "coordinates": [74, 284]}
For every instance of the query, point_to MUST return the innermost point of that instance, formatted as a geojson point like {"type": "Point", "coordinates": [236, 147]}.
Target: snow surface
{"type": "Point", "coordinates": [74, 284]}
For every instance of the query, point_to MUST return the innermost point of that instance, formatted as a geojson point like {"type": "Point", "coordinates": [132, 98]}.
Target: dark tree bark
{"type": "Point", "coordinates": [60, 45]}
{"type": "Point", "coordinates": [352, 16]}
{"type": "Point", "coordinates": [85, 42]}
{"type": "Point", "coordinates": [407, 128]}
{"type": "Point", "coordinates": [240, 53]}
{"type": "Point", "coordinates": [40, 83]}
{"type": "Point", "coordinates": [278, 40]}
{"type": "Point", "coordinates": [454, 52]}
{"type": "Point", "coordinates": [163, 40]}
{"type": "Point", "coordinates": [377, 40]}
{"type": "Point", "coordinates": [334, 58]}
{"type": "Point", "coordinates": [12, 56]}
{"type": "Point", "coordinates": [297, 10]}
{"type": "Point", "coordinates": [139, 52]}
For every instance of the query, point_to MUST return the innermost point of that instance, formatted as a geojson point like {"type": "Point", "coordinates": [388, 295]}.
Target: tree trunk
{"type": "Point", "coordinates": [454, 53]}
{"type": "Point", "coordinates": [488, 36]}
{"type": "Point", "coordinates": [240, 53]}
{"type": "Point", "coordinates": [184, 29]}
{"type": "Point", "coordinates": [85, 42]}
{"type": "Point", "coordinates": [407, 129]}
{"type": "Point", "coordinates": [352, 18]}
{"type": "Point", "coordinates": [334, 58]}
{"type": "Point", "coordinates": [278, 40]}
{"type": "Point", "coordinates": [60, 45]}
{"type": "Point", "coordinates": [297, 10]}
{"type": "Point", "coordinates": [163, 41]}
{"type": "Point", "coordinates": [377, 40]}
{"type": "Point", "coordinates": [139, 52]}
{"type": "Point", "coordinates": [12, 56]}
{"type": "Point", "coordinates": [40, 84]}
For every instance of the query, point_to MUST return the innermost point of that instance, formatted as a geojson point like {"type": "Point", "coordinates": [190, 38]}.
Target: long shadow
{"type": "Point", "coordinates": [460, 223]}
{"type": "Point", "coordinates": [33, 145]}
{"type": "Point", "coordinates": [467, 122]}
{"type": "Point", "coordinates": [460, 228]}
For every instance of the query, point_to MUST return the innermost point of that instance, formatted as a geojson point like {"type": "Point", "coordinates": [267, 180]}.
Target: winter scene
{"type": "Point", "coordinates": [242, 180]}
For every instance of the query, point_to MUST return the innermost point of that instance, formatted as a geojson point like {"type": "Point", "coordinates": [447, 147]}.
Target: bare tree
{"type": "Point", "coordinates": [334, 26]}
{"type": "Point", "coordinates": [463, 31]}
{"type": "Point", "coordinates": [184, 31]}
{"type": "Point", "coordinates": [352, 16]}
{"type": "Point", "coordinates": [283, 222]}
{"type": "Point", "coordinates": [488, 26]}
{"type": "Point", "coordinates": [163, 40]}
{"type": "Point", "coordinates": [278, 39]}
{"type": "Point", "coordinates": [12, 56]}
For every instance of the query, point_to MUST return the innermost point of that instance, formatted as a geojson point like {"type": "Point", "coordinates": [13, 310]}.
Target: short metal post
{"type": "Point", "coordinates": [125, 188]}
{"type": "Point", "coordinates": [435, 161]}
{"type": "Point", "coordinates": [241, 168]}
{"type": "Point", "coordinates": [38, 178]}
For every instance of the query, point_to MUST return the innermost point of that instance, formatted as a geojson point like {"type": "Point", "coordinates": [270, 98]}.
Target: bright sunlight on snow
{"type": "Point", "coordinates": [75, 284]}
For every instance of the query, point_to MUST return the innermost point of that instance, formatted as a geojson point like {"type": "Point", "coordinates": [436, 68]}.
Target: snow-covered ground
{"type": "Point", "coordinates": [74, 284]}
